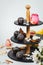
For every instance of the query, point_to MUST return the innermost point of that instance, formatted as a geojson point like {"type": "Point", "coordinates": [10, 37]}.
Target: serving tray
{"type": "Point", "coordinates": [13, 57]}
{"type": "Point", "coordinates": [28, 24]}
{"type": "Point", "coordinates": [23, 42]}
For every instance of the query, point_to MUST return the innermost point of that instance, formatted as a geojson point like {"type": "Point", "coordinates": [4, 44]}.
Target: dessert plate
{"type": "Point", "coordinates": [23, 42]}
{"type": "Point", "coordinates": [13, 57]}
{"type": "Point", "coordinates": [28, 24]}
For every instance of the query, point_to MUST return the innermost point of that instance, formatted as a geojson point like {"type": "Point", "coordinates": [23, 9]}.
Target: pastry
{"type": "Point", "coordinates": [16, 34]}
{"type": "Point", "coordinates": [20, 20]}
{"type": "Point", "coordinates": [34, 19]}
{"type": "Point", "coordinates": [20, 37]}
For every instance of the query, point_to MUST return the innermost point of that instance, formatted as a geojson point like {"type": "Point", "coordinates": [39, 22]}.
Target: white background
{"type": "Point", "coordinates": [10, 10]}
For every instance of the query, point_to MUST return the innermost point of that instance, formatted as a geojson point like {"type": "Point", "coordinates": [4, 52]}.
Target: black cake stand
{"type": "Point", "coordinates": [28, 44]}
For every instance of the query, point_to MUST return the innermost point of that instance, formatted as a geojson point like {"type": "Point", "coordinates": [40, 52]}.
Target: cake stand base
{"type": "Point", "coordinates": [13, 57]}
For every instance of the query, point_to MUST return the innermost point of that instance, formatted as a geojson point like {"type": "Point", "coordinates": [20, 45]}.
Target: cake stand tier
{"type": "Point", "coordinates": [13, 57]}
{"type": "Point", "coordinates": [23, 42]}
{"type": "Point", "coordinates": [26, 24]}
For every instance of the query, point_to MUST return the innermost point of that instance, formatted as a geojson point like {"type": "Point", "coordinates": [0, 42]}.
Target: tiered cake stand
{"type": "Point", "coordinates": [28, 44]}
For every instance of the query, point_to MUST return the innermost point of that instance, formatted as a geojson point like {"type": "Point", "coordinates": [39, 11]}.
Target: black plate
{"type": "Point", "coordinates": [25, 24]}
{"type": "Point", "coordinates": [13, 57]}
{"type": "Point", "coordinates": [23, 42]}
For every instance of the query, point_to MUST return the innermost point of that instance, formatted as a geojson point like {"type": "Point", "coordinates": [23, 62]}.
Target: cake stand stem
{"type": "Point", "coordinates": [28, 36]}
{"type": "Point", "coordinates": [28, 46]}
{"type": "Point", "coordinates": [28, 32]}
{"type": "Point", "coordinates": [28, 49]}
